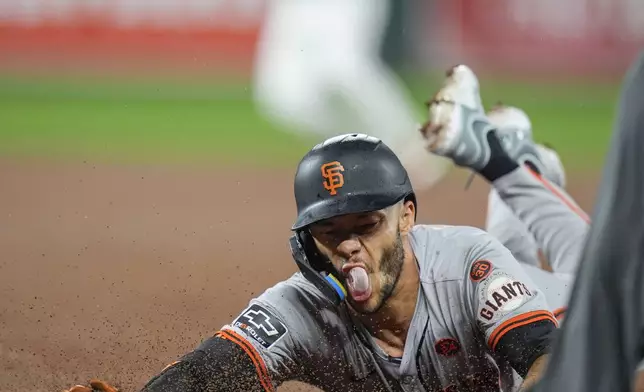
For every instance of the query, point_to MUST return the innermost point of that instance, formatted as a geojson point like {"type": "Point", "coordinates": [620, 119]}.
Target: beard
{"type": "Point", "coordinates": [391, 264]}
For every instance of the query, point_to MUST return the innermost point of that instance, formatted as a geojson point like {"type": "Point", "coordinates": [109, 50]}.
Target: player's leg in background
{"type": "Point", "coordinates": [514, 234]}
{"type": "Point", "coordinates": [500, 219]}
{"type": "Point", "coordinates": [380, 102]}
{"type": "Point", "coordinates": [558, 225]}
{"type": "Point", "coordinates": [504, 220]}
{"type": "Point", "coordinates": [289, 76]}
{"type": "Point", "coordinates": [510, 231]}
{"type": "Point", "coordinates": [601, 342]}
{"type": "Point", "coordinates": [319, 70]}
{"type": "Point", "coordinates": [459, 128]}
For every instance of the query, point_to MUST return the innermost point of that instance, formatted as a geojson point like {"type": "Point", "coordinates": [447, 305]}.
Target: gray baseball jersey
{"type": "Point", "coordinates": [473, 292]}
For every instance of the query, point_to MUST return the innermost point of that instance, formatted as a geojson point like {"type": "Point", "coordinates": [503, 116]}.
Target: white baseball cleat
{"type": "Point", "coordinates": [553, 167]}
{"type": "Point", "coordinates": [513, 124]}
{"type": "Point", "coordinates": [458, 127]}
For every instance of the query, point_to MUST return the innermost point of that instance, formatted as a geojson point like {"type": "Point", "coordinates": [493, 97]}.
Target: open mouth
{"type": "Point", "coordinates": [358, 282]}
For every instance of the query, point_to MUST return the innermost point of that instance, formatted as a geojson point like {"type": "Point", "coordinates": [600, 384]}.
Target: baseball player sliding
{"type": "Point", "coordinates": [384, 304]}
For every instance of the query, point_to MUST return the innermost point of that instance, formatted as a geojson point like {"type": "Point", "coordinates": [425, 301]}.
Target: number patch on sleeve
{"type": "Point", "coordinates": [260, 324]}
{"type": "Point", "coordinates": [480, 270]}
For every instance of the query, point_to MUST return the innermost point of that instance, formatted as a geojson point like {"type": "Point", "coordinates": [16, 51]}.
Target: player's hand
{"type": "Point", "coordinates": [94, 386]}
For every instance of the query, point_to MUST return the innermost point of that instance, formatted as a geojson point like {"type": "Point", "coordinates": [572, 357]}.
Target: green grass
{"type": "Point", "coordinates": [188, 122]}
{"type": "Point", "coordinates": [138, 122]}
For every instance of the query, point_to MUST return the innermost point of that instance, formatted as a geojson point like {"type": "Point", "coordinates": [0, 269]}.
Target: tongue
{"type": "Point", "coordinates": [359, 285]}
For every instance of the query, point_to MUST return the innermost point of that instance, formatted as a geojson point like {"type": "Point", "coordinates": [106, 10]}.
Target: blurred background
{"type": "Point", "coordinates": [69, 68]}
{"type": "Point", "coordinates": [147, 148]}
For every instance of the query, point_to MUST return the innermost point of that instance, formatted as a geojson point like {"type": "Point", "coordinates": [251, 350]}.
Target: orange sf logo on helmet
{"type": "Point", "coordinates": [333, 177]}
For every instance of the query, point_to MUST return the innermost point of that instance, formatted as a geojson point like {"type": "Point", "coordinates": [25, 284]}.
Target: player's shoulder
{"type": "Point", "coordinates": [438, 238]}
{"type": "Point", "coordinates": [293, 293]}
{"type": "Point", "coordinates": [444, 251]}
{"type": "Point", "coordinates": [448, 231]}
{"type": "Point", "coordinates": [290, 307]}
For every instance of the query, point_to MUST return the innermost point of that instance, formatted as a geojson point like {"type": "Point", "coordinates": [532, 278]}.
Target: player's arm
{"type": "Point", "coordinates": [255, 352]}
{"type": "Point", "coordinates": [222, 363]}
{"type": "Point", "coordinates": [510, 311]}
{"type": "Point", "coordinates": [535, 373]}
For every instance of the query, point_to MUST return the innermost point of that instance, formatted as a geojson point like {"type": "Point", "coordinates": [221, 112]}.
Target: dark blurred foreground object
{"type": "Point", "coordinates": [600, 344]}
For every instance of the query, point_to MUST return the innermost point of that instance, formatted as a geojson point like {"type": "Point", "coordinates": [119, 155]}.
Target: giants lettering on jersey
{"type": "Point", "coordinates": [499, 295]}
{"type": "Point", "coordinates": [260, 324]}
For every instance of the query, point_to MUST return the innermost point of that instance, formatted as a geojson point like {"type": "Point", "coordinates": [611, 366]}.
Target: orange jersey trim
{"type": "Point", "coordinates": [169, 366]}
{"type": "Point", "coordinates": [516, 322]}
{"type": "Point", "coordinates": [559, 313]}
{"type": "Point", "coordinates": [257, 360]}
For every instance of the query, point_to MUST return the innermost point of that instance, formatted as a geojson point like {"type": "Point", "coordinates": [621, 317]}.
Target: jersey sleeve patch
{"type": "Point", "coordinates": [499, 295]}
{"type": "Point", "coordinates": [261, 325]}
{"type": "Point", "coordinates": [480, 270]}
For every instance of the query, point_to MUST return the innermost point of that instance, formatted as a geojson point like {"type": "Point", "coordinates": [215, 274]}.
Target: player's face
{"type": "Point", "coordinates": [367, 249]}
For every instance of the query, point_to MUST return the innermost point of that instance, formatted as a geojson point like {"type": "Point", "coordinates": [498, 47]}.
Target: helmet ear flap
{"type": "Point", "coordinates": [317, 260]}
{"type": "Point", "coordinates": [315, 267]}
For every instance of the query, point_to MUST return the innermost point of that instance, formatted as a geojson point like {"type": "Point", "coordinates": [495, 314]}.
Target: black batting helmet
{"type": "Point", "coordinates": [346, 174]}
